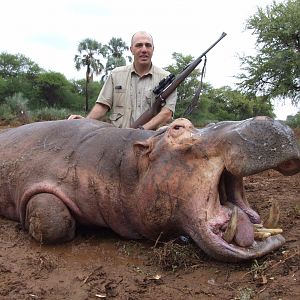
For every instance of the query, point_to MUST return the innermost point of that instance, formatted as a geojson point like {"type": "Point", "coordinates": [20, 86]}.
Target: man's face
{"type": "Point", "coordinates": [142, 49]}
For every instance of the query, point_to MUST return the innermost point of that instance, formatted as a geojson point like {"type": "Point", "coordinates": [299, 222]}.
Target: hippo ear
{"type": "Point", "coordinates": [142, 151]}
{"type": "Point", "coordinates": [142, 148]}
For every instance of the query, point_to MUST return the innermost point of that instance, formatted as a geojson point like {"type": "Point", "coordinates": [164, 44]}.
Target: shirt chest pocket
{"type": "Point", "coordinates": [119, 96]}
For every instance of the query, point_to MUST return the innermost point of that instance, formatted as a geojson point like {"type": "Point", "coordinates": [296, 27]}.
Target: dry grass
{"type": "Point", "coordinates": [171, 256]}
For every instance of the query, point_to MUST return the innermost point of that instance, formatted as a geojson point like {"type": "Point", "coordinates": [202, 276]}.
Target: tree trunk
{"type": "Point", "coordinates": [86, 91]}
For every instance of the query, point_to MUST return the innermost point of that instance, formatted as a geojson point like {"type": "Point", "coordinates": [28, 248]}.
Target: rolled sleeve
{"type": "Point", "coordinates": [106, 93]}
{"type": "Point", "coordinates": [171, 101]}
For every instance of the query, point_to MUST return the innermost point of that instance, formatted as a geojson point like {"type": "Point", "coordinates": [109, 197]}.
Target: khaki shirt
{"type": "Point", "coordinates": [128, 95]}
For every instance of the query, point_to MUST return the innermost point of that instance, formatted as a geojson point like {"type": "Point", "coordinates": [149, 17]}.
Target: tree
{"type": "Point", "coordinates": [90, 52]}
{"type": "Point", "coordinates": [78, 88]}
{"type": "Point", "coordinates": [228, 104]}
{"type": "Point", "coordinates": [17, 75]}
{"type": "Point", "coordinates": [54, 89]}
{"type": "Point", "coordinates": [14, 65]}
{"type": "Point", "coordinates": [114, 51]}
{"type": "Point", "coordinates": [275, 70]}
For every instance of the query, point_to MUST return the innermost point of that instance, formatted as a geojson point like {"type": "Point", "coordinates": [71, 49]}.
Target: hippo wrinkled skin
{"type": "Point", "coordinates": [179, 180]}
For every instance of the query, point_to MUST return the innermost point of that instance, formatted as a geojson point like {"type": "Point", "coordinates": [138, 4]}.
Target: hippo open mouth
{"type": "Point", "coordinates": [233, 231]}
{"type": "Point", "coordinates": [245, 224]}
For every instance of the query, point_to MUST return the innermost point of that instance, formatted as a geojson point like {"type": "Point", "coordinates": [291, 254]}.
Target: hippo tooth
{"type": "Point", "coordinates": [232, 225]}
{"type": "Point", "coordinates": [261, 235]}
{"type": "Point", "coordinates": [258, 226]}
{"type": "Point", "coordinates": [273, 218]}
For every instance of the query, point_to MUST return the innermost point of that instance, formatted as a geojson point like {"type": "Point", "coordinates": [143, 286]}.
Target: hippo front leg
{"type": "Point", "coordinates": [48, 220]}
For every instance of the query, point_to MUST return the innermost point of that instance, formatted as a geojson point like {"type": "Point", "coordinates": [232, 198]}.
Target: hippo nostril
{"type": "Point", "coordinates": [289, 167]}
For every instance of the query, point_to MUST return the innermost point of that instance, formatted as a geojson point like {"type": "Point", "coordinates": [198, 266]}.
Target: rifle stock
{"type": "Point", "coordinates": [160, 99]}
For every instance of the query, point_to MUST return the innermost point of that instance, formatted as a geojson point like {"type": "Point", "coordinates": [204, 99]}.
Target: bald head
{"type": "Point", "coordinates": [142, 50]}
{"type": "Point", "coordinates": [140, 34]}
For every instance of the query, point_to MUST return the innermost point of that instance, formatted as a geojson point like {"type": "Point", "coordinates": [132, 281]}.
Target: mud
{"type": "Point", "coordinates": [101, 265]}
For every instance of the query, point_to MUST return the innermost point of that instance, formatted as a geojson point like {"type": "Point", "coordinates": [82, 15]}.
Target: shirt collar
{"type": "Point", "coordinates": [150, 72]}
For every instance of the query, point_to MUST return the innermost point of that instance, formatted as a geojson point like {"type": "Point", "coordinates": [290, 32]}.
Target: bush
{"type": "Point", "coordinates": [293, 121]}
{"type": "Point", "coordinates": [50, 113]}
{"type": "Point", "coordinates": [6, 113]}
{"type": "Point", "coordinates": [15, 107]}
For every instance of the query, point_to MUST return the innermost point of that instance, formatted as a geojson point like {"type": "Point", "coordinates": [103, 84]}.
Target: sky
{"type": "Point", "coordinates": [48, 32]}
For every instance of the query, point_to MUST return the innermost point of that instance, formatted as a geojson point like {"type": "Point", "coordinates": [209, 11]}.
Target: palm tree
{"type": "Point", "coordinates": [89, 55]}
{"type": "Point", "coordinates": [114, 52]}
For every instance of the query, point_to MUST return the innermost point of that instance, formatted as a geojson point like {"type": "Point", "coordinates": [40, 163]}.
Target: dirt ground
{"type": "Point", "coordinates": [102, 265]}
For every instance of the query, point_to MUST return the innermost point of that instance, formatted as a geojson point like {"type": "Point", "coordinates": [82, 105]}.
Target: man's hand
{"type": "Point", "coordinates": [162, 118]}
{"type": "Point", "coordinates": [98, 111]}
{"type": "Point", "coordinates": [73, 117]}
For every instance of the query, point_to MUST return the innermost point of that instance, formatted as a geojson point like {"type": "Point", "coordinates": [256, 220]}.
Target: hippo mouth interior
{"type": "Point", "coordinates": [238, 224]}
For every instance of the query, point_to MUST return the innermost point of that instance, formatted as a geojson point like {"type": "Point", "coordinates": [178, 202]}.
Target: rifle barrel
{"type": "Point", "coordinates": [189, 68]}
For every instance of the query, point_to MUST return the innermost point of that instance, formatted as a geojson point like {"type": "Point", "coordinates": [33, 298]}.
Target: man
{"type": "Point", "coordinates": [127, 93]}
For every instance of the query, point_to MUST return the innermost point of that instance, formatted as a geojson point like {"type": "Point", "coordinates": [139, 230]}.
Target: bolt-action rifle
{"type": "Point", "coordinates": [166, 86]}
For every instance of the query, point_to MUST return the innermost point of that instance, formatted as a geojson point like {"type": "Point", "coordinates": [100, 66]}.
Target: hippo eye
{"type": "Point", "coordinates": [177, 127]}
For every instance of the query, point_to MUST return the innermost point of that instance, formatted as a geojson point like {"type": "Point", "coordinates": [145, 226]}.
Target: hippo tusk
{"type": "Point", "coordinates": [232, 225]}
{"type": "Point", "coordinates": [272, 231]}
{"type": "Point", "coordinates": [273, 218]}
{"type": "Point", "coordinates": [261, 233]}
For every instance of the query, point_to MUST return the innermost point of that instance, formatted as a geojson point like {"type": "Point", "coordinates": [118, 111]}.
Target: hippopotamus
{"type": "Point", "coordinates": [143, 184]}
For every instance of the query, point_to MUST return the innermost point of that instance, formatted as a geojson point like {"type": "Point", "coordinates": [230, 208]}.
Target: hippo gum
{"type": "Point", "coordinates": [180, 180]}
